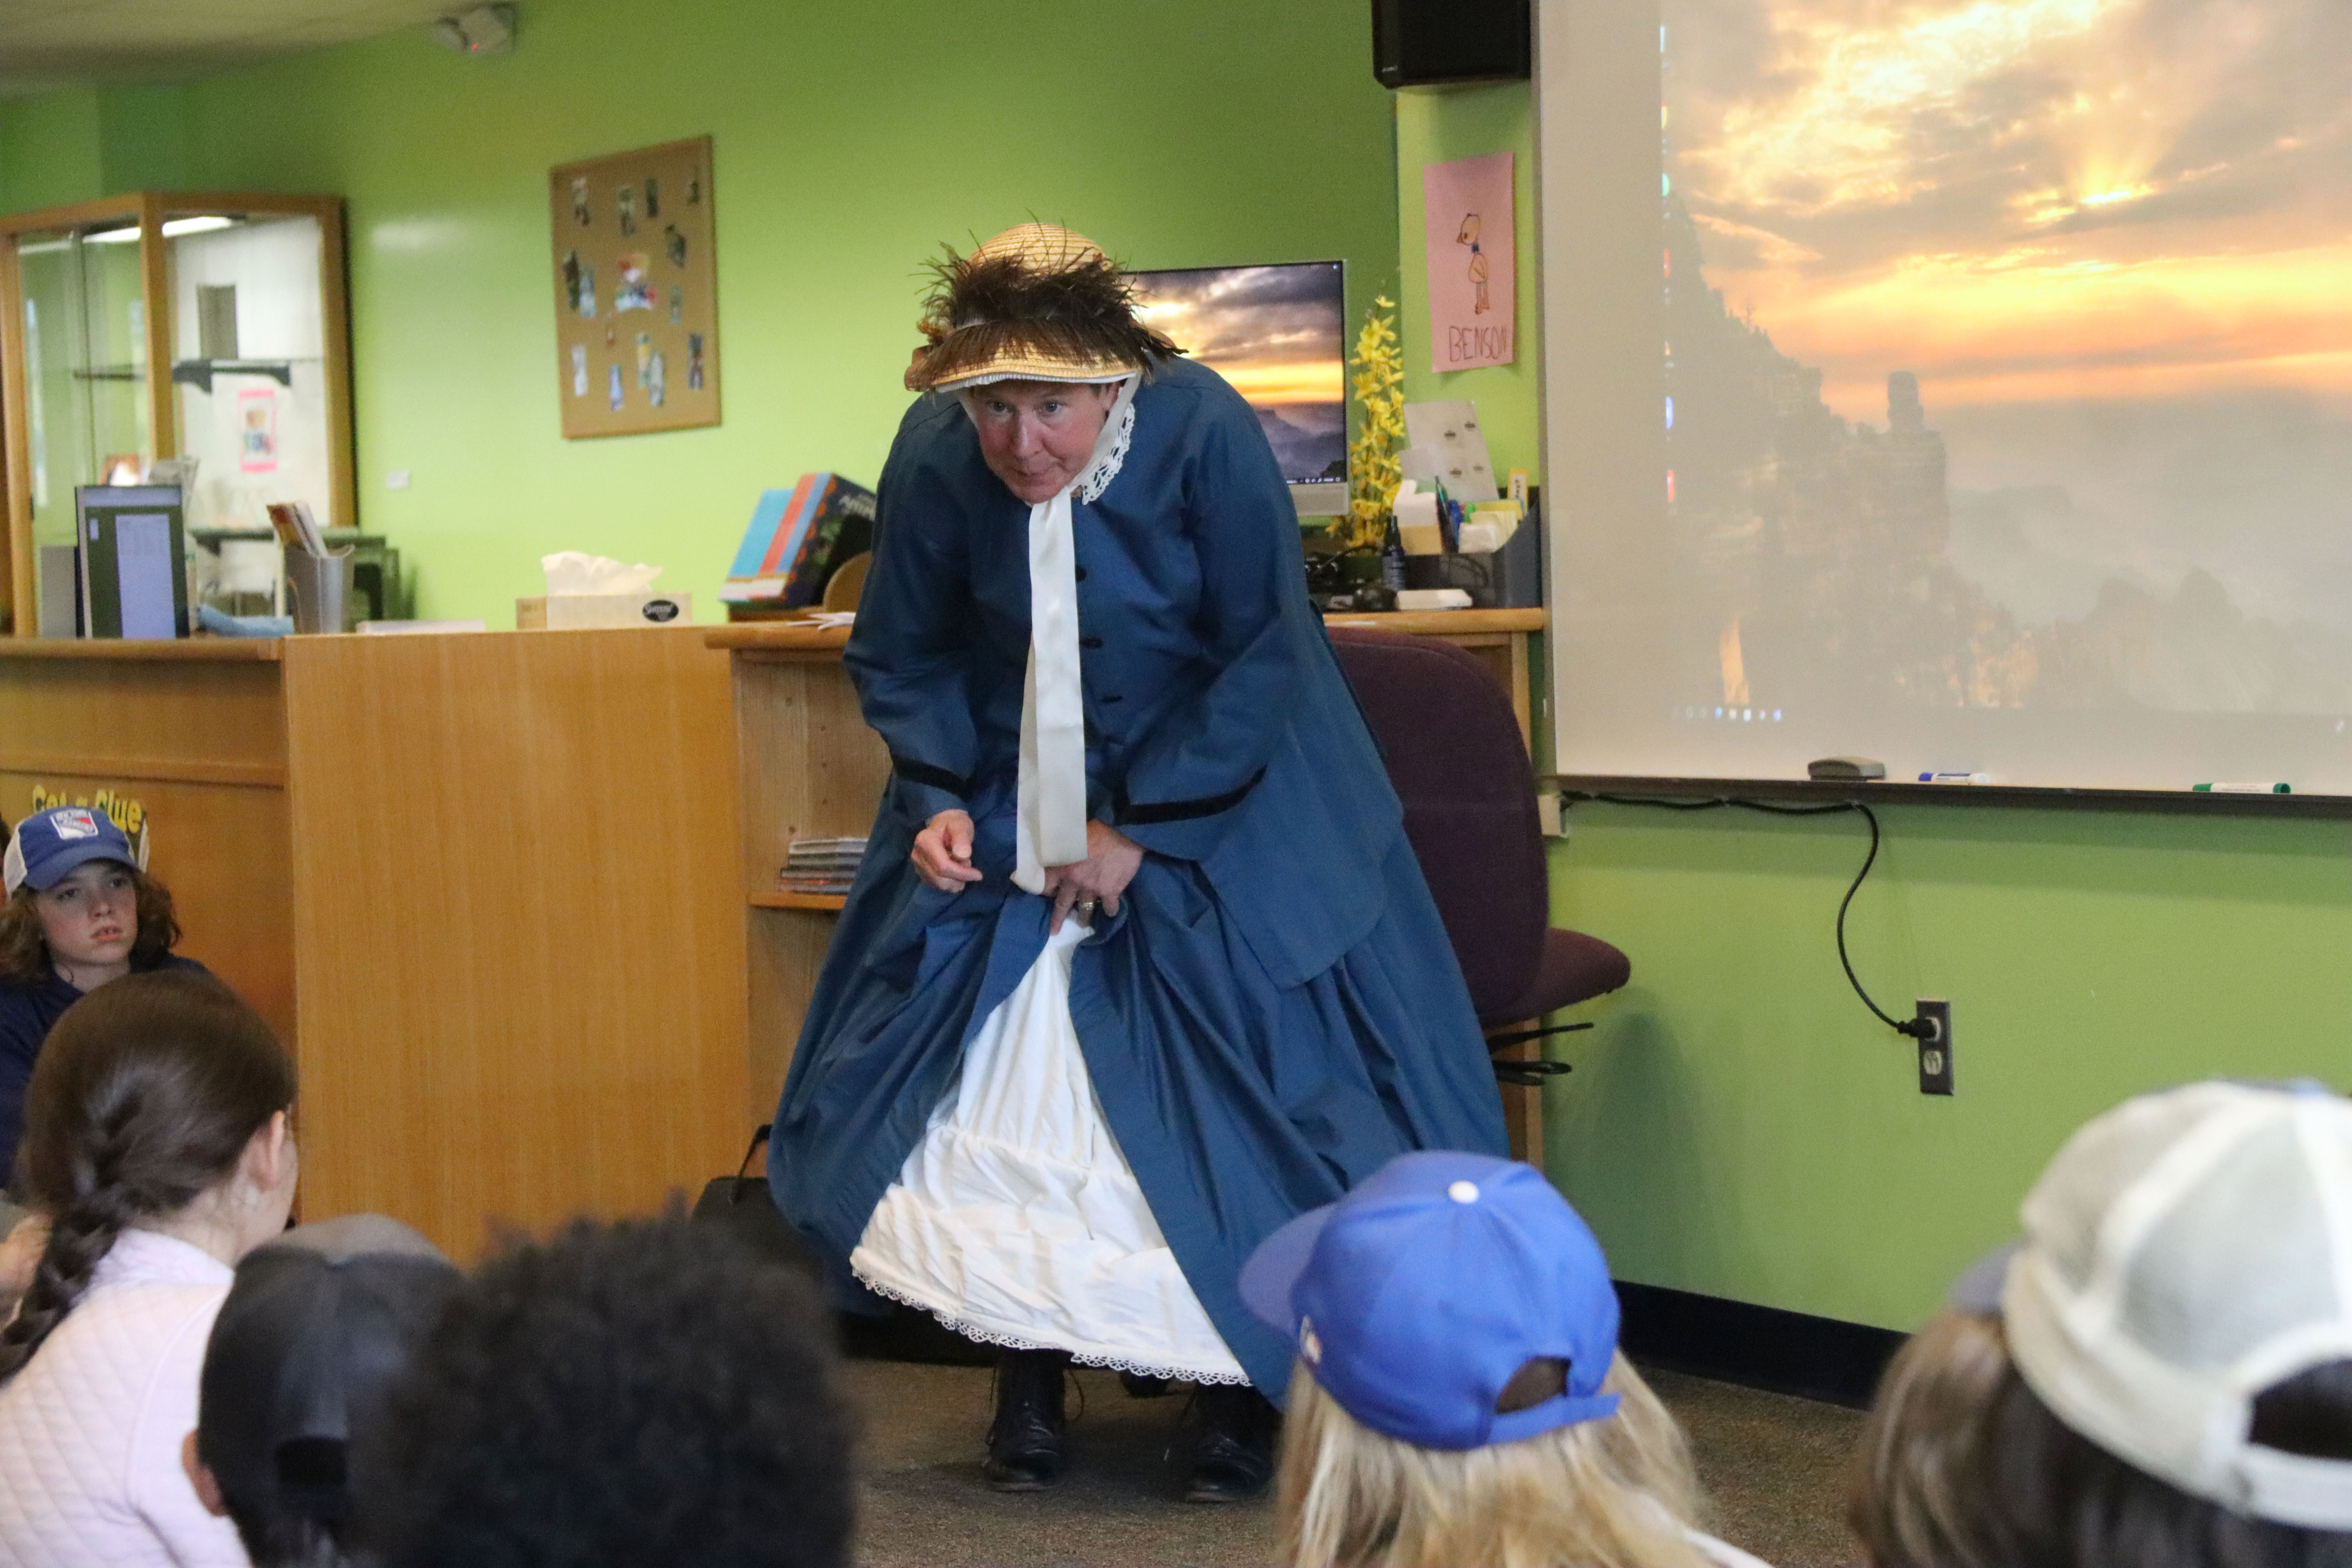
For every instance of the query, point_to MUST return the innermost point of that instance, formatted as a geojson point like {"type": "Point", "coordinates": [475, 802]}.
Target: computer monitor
{"type": "Point", "coordinates": [1278, 334]}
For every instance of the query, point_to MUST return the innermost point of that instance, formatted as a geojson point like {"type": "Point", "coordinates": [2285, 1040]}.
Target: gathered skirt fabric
{"type": "Point", "coordinates": [1016, 1221]}
{"type": "Point", "coordinates": [1235, 1102]}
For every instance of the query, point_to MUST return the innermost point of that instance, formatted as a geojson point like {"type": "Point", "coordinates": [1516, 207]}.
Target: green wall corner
{"type": "Point", "coordinates": [1436, 127]}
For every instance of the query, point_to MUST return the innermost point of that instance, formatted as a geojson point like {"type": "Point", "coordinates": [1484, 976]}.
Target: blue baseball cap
{"type": "Point", "coordinates": [1415, 1299]}
{"type": "Point", "coordinates": [48, 844]}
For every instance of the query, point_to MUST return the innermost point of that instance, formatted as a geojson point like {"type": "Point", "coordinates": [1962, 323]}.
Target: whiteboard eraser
{"type": "Point", "coordinates": [1845, 770]}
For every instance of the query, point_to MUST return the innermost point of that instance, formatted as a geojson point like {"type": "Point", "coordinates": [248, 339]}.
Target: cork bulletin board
{"type": "Point", "coordinates": [637, 300]}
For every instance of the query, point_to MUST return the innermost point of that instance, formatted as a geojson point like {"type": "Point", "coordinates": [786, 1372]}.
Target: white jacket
{"type": "Point", "coordinates": [91, 1429]}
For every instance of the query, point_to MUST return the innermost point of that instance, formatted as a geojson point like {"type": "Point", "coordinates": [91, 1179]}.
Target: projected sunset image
{"type": "Point", "coordinates": [1276, 333]}
{"type": "Point", "coordinates": [2034, 315]}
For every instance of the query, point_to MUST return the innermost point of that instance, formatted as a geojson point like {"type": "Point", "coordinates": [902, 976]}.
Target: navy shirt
{"type": "Point", "coordinates": [27, 1013]}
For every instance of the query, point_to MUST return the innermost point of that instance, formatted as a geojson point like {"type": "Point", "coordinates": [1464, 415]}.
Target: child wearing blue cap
{"type": "Point", "coordinates": [1458, 1396]}
{"type": "Point", "coordinates": [79, 911]}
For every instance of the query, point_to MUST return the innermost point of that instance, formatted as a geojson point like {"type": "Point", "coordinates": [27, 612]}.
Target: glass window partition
{"type": "Point", "coordinates": [248, 365]}
{"type": "Point", "coordinates": [242, 297]}
{"type": "Point", "coordinates": [84, 331]}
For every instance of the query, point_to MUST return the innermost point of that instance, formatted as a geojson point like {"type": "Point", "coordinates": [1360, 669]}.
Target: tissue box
{"type": "Point", "coordinates": [579, 612]}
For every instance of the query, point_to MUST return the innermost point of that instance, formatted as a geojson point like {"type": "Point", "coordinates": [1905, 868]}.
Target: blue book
{"type": "Point", "coordinates": [766, 518]}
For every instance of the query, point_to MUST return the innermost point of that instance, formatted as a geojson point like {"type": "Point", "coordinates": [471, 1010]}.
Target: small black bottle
{"type": "Point", "coordinates": [1393, 558]}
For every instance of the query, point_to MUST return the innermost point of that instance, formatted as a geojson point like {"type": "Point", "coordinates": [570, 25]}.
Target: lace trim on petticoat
{"type": "Point", "coordinates": [1012, 1341]}
{"type": "Point", "coordinates": [1099, 477]}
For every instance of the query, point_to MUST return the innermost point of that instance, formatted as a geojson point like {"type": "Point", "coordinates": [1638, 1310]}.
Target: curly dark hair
{"type": "Point", "coordinates": [146, 1093]}
{"type": "Point", "coordinates": [25, 954]}
{"type": "Point", "coordinates": [646, 1392]}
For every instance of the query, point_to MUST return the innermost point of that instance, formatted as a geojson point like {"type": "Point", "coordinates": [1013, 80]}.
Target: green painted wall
{"type": "Point", "coordinates": [1436, 127]}
{"type": "Point", "coordinates": [51, 152]}
{"type": "Point", "coordinates": [1739, 1125]}
{"type": "Point", "coordinates": [850, 142]}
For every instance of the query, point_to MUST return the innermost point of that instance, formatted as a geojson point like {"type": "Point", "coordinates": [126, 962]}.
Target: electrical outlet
{"type": "Point", "coordinates": [1936, 1049]}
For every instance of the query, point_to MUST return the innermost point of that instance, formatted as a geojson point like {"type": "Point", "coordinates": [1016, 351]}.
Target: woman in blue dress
{"type": "Point", "coordinates": [1139, 964]}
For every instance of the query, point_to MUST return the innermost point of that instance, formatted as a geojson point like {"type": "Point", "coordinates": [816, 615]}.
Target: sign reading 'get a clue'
{"type": "Point", "coordinates": [127, 813]}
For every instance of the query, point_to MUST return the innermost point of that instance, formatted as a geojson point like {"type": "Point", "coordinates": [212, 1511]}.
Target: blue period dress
{"type": "Point", "coordinates": [1075, 1144]}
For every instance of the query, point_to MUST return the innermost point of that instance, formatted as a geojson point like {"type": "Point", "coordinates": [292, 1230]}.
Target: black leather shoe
{"type": "Point", "coordinates": [1025, 1442]}
{"type": "Point", "coordinates": [1233, 1445]}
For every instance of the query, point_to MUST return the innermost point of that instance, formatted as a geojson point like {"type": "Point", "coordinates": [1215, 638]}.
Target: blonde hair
{"type": "Point", "coordinates": [1611, 1493]}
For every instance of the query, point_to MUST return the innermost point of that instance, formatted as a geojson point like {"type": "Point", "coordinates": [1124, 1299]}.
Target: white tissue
{"type": "Point", "coordinates": [1414, 505]}
{"type": "Point", "coordinates": [571, 572]}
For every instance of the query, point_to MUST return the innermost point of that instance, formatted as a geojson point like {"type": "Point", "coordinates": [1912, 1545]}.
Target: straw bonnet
{"type": "Point", "coordinates": [1035, 303]}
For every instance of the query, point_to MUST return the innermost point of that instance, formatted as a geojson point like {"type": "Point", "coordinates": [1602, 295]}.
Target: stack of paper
{"type": "Point", "coordinates": [822, 865]}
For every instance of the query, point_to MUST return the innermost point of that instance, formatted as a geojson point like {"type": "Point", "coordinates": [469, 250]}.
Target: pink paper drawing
{"type": "Point", "coordinates": [1467, 219]}
{"type": "Point", "coordinates": [256, 431]}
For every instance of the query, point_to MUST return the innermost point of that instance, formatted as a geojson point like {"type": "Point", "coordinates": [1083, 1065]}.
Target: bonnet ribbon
{"type": "Point", "coordinates": [1050, 821]}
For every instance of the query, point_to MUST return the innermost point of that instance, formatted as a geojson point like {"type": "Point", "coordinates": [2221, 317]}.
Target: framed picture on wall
{"type": "Point", "coordinates": [636, 293]}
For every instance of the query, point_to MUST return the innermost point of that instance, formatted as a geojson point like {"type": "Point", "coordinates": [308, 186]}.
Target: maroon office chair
{"type": "Point", "coordinates": [1451, 744]}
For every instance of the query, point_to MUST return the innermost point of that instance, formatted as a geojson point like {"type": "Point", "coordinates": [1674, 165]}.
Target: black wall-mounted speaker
{"type": "Point", "coordinates": [1432, 43]}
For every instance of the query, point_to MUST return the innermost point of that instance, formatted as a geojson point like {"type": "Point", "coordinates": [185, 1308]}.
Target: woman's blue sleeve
{"type": "Point", "coordinates": [910, 649]}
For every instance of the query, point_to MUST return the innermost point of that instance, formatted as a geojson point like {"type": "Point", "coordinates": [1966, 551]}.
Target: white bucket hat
{"type": "Point", "coordinates": [2183, 1253]}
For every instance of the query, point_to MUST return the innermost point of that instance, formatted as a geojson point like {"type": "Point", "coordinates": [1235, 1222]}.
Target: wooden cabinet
{"type": "Point", "coordinates": [486, 887]}
{"type": "Point", "coordinates": [810, 768]}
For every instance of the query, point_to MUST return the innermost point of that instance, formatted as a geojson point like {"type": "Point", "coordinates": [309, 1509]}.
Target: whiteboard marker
{"type": "Point", "coordinates": [1955, 778]}
{"type": "Point", "coordinates": [2241, 789]}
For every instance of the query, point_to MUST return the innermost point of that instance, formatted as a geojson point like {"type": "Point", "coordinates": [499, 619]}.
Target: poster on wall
{"type": "Point", "coordinates": [635, 290]}
{"type": "Point", "coordinates": [1467, 212]}
{"type": "Point", "coordinates": [256, 431]}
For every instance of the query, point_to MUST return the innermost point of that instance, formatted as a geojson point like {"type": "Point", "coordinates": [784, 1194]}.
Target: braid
{"type": "Point", "coordinates": [77, 1239]}
{"type": "Point", "coordinates": [144, 1096]}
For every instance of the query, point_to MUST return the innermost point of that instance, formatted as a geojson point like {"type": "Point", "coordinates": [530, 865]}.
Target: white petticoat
{"type": "Point", "coordinates": [1017, 1221]}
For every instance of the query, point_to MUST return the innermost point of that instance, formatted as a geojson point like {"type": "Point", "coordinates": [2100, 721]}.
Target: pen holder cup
{"type": "Point", "coordinates": [318, 591]}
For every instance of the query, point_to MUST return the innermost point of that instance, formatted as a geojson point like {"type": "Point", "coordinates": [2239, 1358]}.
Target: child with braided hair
{"type": "Point", "coordinates": [157, 1143]}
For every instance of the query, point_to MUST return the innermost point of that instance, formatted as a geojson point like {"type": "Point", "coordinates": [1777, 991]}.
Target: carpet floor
{"type": "Point", "coordinates": [1773, 1467]}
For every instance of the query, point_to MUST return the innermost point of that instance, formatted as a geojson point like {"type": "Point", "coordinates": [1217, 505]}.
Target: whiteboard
{"type": "Point", "coordinates": [1966, 385]}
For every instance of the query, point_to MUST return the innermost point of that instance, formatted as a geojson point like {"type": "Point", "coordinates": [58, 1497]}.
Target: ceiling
{"type": "Point", "coordinates": [50, 44]}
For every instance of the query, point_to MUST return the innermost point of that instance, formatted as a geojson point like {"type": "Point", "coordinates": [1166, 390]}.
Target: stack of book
{"type": "Point", "coordinates": [797, 540]}
{"type": "Point", "coordinates": [822, 865]}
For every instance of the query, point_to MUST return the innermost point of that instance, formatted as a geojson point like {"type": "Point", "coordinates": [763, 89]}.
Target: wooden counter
{"type": "Point", "coordinates": [479, 882]}
{"type": "Point", "coordinates": [810, 768]}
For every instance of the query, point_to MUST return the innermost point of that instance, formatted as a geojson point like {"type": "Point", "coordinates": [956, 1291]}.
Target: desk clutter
{"type": "Point", "coordinates": [821, 866]}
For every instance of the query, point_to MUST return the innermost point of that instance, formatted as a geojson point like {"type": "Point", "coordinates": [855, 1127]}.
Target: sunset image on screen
{"type": "Point", "coordinates": [2034, 314]}
{"type": "Point", "coordinates": [1275, 333]}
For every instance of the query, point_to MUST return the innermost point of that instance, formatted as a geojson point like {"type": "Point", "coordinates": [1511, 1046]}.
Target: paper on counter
{"type": "Point", "coordinates": [574, 571]}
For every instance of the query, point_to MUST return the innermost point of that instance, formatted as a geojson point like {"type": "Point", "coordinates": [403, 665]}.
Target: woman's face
{"type": "Point", "coordinates": [1038, 435]}
{"type": "Point", "coordinates": [90, 918]}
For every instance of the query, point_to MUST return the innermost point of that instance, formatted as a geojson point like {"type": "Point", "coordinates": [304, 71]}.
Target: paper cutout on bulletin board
{"type": "Point", "coordinates": [633, 251]}
{"type": "Point", "coordinates": [1471, 284]}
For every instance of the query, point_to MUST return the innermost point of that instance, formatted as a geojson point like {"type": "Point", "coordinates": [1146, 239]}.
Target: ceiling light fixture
{"type": "Point", "coordinates": [172, 229]}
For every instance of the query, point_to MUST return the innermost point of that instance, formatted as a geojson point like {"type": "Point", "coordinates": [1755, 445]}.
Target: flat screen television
{"type": "Point", "coordinates": [1278, 334]}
